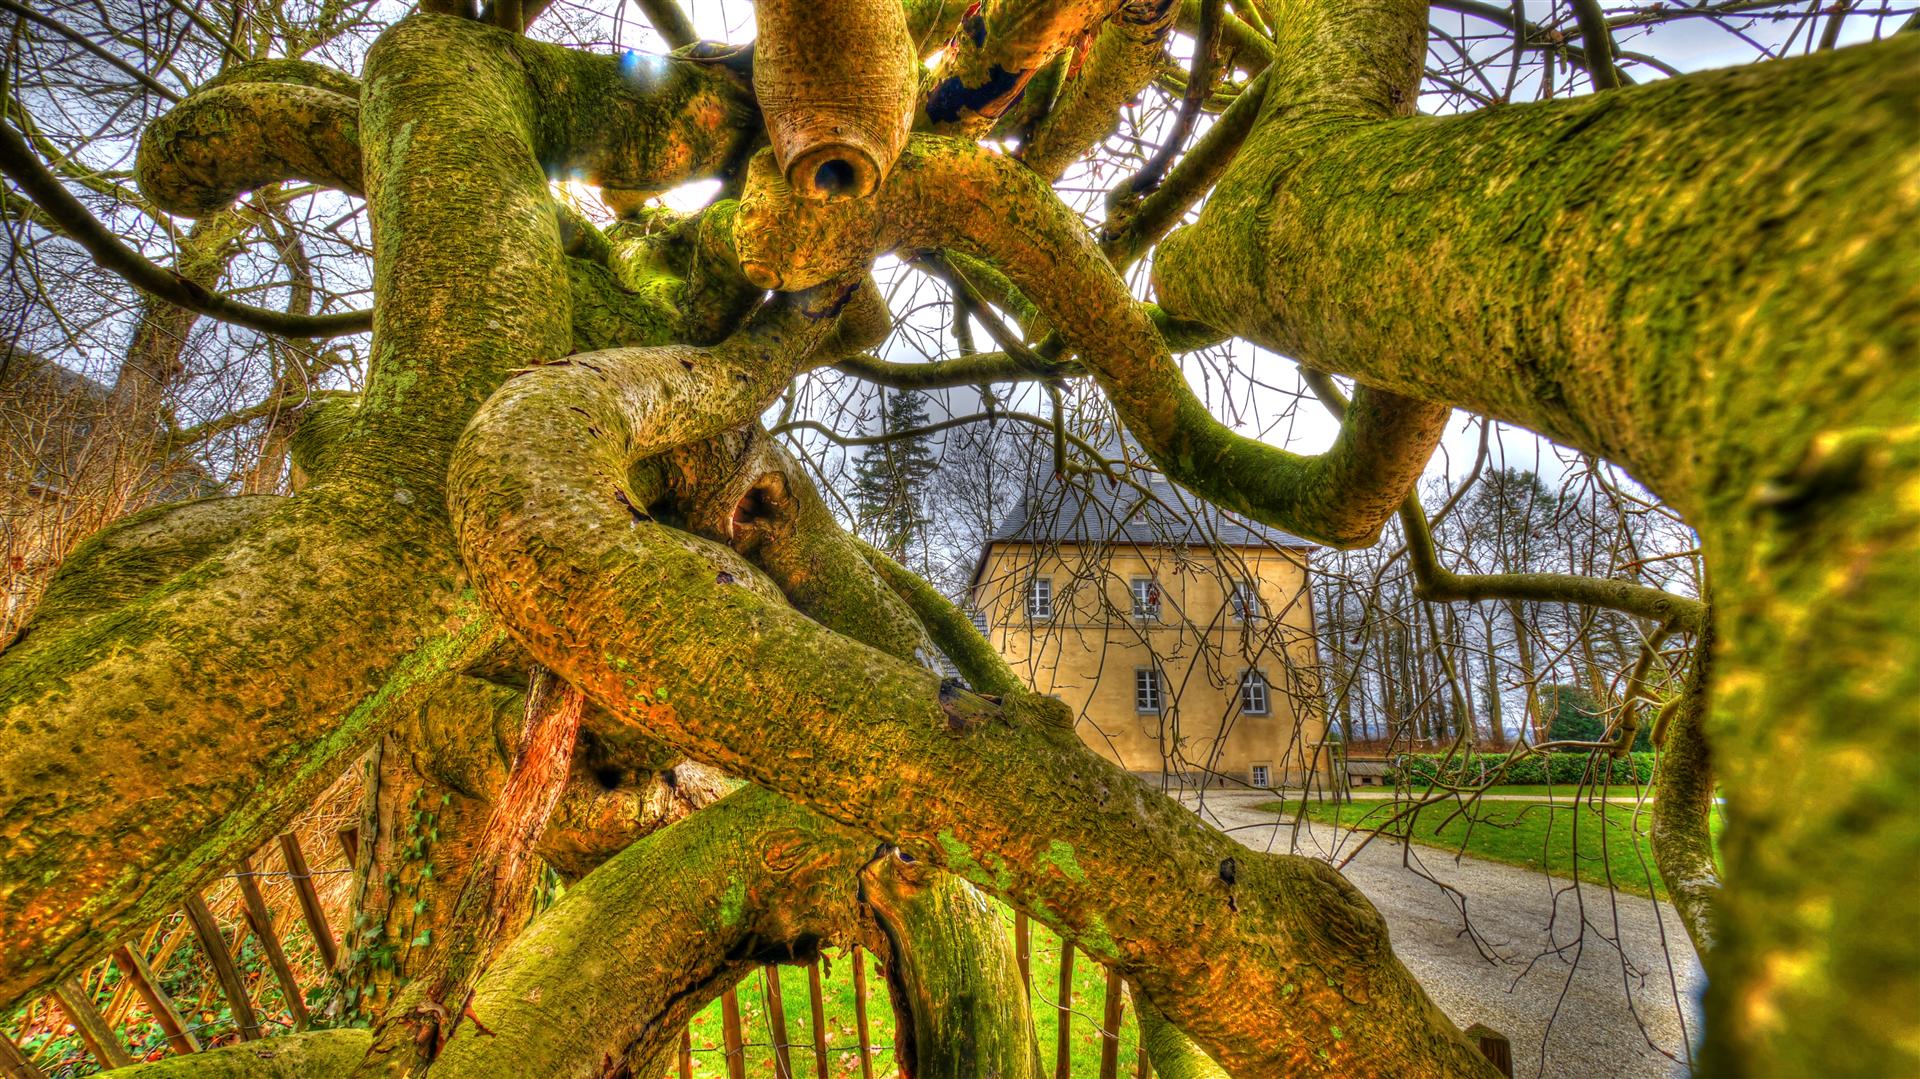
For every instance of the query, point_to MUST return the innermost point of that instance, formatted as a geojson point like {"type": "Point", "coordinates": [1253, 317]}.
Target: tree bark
{"type": "Point", "coordinates": [959, 1004]}
{"type": "Point", "coordinates": [1745, 366]}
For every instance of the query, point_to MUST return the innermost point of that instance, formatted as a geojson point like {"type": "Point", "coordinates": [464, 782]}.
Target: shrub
{"type": "Point", "coordinates": [1537, 769]}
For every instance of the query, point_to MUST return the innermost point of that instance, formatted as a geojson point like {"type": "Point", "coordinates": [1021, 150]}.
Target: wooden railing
{"type": "Point", "coordinates": [98, 1033]}
{"type": "Point", "coordinates": [814, 1048]}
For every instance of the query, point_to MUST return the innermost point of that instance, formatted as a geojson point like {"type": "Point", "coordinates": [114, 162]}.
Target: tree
{"type": "Point", "coordinates": [890, 481]}
{"type": "Point", "coordinates": [554, 485]}
{"type": "Point", "coordinates": [1573, 715]}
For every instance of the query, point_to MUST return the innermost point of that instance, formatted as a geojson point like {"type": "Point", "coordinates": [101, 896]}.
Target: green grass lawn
{"type": "Point", "coordinates": [1611, 847]}
{"type": "Point", "coordinates": [1559, 792]}
{"type": "Point", "coordinates": [1089, 998]}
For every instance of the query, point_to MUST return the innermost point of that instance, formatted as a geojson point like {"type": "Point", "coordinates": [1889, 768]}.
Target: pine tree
{"type": "Point", "coordinates": [890, 479]}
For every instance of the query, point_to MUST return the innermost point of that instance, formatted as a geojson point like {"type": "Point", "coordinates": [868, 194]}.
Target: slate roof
{"type": "Point", "coordinates": [1091, 510]}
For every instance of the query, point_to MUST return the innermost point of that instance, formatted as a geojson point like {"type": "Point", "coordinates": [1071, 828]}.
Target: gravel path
{"type": "Point", "coordinates": [1583, 982]}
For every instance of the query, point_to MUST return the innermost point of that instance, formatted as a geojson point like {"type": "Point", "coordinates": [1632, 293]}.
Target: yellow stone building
{"type": "Point", "coordinates": [1182, 637]}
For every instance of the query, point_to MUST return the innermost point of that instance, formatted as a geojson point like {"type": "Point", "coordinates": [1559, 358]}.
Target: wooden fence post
{"type": "Point", "coordinates": [262, 921]}
{"type": "Point", "coordinates": [1494, 1046]}
{"type": "Point", "coordinates": [1110, 1027]}
{"type": "Point", "coordinates": [817, 999]}
{"type": "Point", "coordinates": [159, 1005]}
{"type": "Point", "coordinates": [777, 1022]}
{"type": "Point", "coordinates": [94, 1030]}
{"type": "Point", "coordinates": [1023, 949]}
{"type": "Point", "coordinates": [1063, 1002]}
{"type": "Point", "coordinates": [860, 1013]}
{"type": "Point", "coordinates": [309, 899]}
{"type": "Point", "coordinates": [215, 945]}
{"type": "Point", "coordinates": [730, 1035]}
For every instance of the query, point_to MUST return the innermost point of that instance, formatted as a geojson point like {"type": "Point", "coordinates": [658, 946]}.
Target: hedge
{"type": "Point", "coordinates": [1540, 769]}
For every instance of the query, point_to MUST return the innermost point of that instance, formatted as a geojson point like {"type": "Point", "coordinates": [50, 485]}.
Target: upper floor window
{"type": "Point", "coordinates": [1245, 602]}
{"type": "Point", "coordinates": [1146, 689]}
{"type": "Point", "coordinates": [1146, 599]}
{"type": "Point", "coordinates": [1253, 693]}
{"type": "Point", "coordinates": [1040, 599]}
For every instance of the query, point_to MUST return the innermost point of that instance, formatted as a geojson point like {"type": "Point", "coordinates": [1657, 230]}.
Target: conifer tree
{"type": "Point", "coordinates": [890, 484]}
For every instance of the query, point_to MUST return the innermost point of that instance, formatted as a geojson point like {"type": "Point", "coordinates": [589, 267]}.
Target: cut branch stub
{"type": "Point", "coordinates": [786, 243]}
{"type": "Point", "coordinates": [836, 81]}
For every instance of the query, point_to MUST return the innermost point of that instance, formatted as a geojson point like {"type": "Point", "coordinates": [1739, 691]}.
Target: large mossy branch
{"type": "Point", "coordinates": [632, 952]}
{"type": "Point", "coordinates": [1001, 46]}
{"type": "Point", "coordinates": [1584, 268]}
{"type": "Point", "coordinates": [961, 1010]}
{"type": "Point", "coordinates": [257, 125]}
{"type": "Point", "coordinates": [947, 193]}
{"type": "Point", "coordinates": [634, 125]}
{"type": "Point", "coordinates": [134, 555]}
{"type": "Point", "coordinates": [155, 744]}
{"type": "Point", "coordinates": [672, 634]}
{"type": "Point", "coordinates": [1124, 57]}
{"type": "Point", "coordinates": [1618, 300]}
{"type": "Point", "coordinates": [248, 679]}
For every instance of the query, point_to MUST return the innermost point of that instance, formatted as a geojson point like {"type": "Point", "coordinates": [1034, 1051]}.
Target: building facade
{"type": "Point", "coordinates": [1182, 638]}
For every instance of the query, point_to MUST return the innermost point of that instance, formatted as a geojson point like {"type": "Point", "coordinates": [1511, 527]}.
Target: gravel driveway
{"type": "Point", "coordinates": [1584, 983]}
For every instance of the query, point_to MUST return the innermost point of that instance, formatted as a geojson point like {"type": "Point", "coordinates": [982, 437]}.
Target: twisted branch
{"type": "Point", "coordinates": [680, 637]}
{"type": "Point", "coordinates": [953, 194]}
{"type": "Point", "coordinates": [257, 125]}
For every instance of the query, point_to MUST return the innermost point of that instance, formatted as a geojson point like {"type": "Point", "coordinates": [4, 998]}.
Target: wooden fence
{"type": "Point", "coordinates": [98, 1034]}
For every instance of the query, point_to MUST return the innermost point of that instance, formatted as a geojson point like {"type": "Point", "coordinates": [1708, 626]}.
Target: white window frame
{"type": "Point", "coordinates": [1039, 599]}
{"type": "Point", "coordinates": [1253, 679]}
{"type": "Point", "coordinates": [1243, 601]}
{"type": "Point", "coordinates": [1149, 691]}
{"type": "Point", "coordinates": [1261, 775]}
{"type": "Point", "coordinates": [1145, 611]}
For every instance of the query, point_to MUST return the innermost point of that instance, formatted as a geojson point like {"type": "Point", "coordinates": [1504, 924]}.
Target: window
{"type": "Point", "coordinates": [1253, 693]}
{"type": "Point", "coordinates": [1146, 689]}
{"type": "Point", "coordinates": [1245, 602]}
{"type": "Point", "coordinates": [979, 619]}
{"type": "Point", "coordinates": [1146, 599]}
{"type": "Point", "coordinates": [1040, 599]}
{"type": "Point", "coordinates": [1263, 775]}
